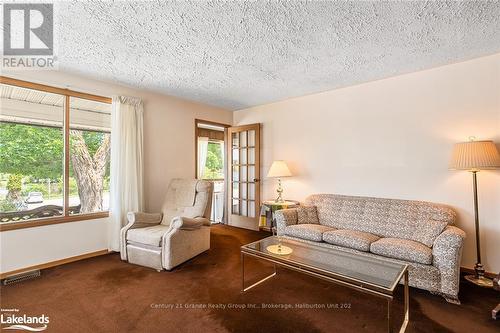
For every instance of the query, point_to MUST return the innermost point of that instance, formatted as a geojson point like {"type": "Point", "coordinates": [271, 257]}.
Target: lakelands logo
{"type": "Point", "coordinates": [28, 36]}
{"type": "Point", "coordinates": [15, 321]}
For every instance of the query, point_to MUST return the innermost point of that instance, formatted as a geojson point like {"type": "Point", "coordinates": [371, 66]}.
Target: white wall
{"type": "Point", "coordinates": [169, 152]}
{"type": "Point", "coordinates": [32, 246]}
{"type": "Point", "coordinates": [392, 138]}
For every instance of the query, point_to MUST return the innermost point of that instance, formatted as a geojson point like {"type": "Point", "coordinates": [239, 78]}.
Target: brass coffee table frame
{"type": "Point", "coordinates": [369, 288]}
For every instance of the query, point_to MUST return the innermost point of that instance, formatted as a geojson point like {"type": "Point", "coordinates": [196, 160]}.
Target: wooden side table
{"type": "Point", "coordinates": [267, 210]}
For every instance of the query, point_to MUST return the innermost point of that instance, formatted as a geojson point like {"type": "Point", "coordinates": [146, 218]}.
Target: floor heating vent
{"type": "Point", "coordinates": [21, 277]}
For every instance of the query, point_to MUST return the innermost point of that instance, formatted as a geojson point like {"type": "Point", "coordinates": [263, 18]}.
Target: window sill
{"type": "Point", "coordinates": [53, 220]}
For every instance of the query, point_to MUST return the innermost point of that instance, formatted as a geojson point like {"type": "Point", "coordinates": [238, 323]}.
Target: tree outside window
{"type": "Point", "coordinates": [214, 166]}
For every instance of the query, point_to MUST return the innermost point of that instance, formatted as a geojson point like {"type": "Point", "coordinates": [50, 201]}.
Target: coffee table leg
{"type": "Point", "coordinates": [389, 315]}
{"type": "Point", "coordinates": [406, 307]}
{"type": "Point", "coordinates": [242, 272]}
{"type": "Point", "coordinates": [407, 304]}
{"type": "Point", "coordinates": [243, 289]}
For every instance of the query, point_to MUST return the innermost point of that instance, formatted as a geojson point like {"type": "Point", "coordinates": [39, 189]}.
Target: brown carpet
{"type": "Point", "coordinates": [104, 294]}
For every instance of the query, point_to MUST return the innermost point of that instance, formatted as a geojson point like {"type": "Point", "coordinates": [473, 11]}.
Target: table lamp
{"type": "Point", "coordinates": [474, 156]}
{"type": "Point", "coordinates": [279, 169]}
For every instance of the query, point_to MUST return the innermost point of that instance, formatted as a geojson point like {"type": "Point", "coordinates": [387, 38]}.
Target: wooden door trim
{"type": "Point", "coordinates": [244, 127]}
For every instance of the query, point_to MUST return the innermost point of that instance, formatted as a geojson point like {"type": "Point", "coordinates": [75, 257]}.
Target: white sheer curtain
{"type": "Point", "coordinates": [126, 185]}
{"type": "Point", "coordinates": [221, 143]}
{"type": "Point", "coordinates": [202, 156]}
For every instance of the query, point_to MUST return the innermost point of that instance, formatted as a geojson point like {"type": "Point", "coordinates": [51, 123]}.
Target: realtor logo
{"type": "Point", "coordinates": [28, 35]}
{"type": "Point", "coordinates": [10, 319]}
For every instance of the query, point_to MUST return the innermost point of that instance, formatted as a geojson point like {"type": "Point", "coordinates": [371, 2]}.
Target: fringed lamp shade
{"type": "Point", "coordinates": [475, 155]}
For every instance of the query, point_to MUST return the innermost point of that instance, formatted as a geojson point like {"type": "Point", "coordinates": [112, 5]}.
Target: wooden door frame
{"type": "Point", "coordinates": [226, 143]}
{"type": "Point", "coordinates": [258, 128]}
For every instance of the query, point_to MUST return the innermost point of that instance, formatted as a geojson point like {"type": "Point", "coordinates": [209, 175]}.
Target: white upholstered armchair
{"type": "Point", "coordinates": [177, 234]}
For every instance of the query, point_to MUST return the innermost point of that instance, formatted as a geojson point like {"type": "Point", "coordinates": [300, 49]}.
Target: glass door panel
{"type": "Point", "coordinates": [245, 172]}
{"type": "Point", "coordinates": [251, 138]}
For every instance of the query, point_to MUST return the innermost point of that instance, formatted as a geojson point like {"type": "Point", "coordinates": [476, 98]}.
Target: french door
{"type": "Point", "coordinates": [244, 176]}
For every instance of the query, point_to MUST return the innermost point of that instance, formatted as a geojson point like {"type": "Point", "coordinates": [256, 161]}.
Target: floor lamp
{"type": "Point", "coordinates": [474, 156]}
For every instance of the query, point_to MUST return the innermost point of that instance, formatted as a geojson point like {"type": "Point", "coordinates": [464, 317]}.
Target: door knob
{"type": "Point", "coordinates": [256, 180]}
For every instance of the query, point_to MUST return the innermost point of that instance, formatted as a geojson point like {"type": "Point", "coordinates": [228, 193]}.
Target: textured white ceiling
{"type": "Point", "coordinates": [240, 54]}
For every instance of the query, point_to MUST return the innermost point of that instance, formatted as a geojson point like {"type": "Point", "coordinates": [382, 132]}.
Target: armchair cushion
{"type": "Point", "coordinates": [404, 249]}
{"type": "Point", "coordinates": [353, 239]}
{"type": "Point", "coordinates": [307, 215]}
{"type": "Point", "coordinates": [312, 232]}
{"type": "Point", "coordinates": [148, 235]}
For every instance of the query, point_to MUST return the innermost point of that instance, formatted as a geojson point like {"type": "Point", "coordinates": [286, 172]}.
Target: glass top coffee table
{"type": "Point", "coordinates": [374, 276]}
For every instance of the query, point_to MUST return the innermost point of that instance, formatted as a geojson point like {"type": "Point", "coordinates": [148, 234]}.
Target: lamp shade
{"type": "Point", "coordinates": [279, 169]}
{"type": "Point", "coordinates": [475, 155]}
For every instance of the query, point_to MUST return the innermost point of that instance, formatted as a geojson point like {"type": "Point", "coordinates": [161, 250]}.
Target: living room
{"type": "Point", "coordinates": [354, 145]}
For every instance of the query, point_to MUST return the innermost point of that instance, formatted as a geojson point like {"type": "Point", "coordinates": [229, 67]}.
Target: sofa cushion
{"type": "Point", "coordinates": [312, 232]}
{"type": "Point", "coordinates": [403, 249]}
{"type": "Point", "coordinates": [307, 215]}
{"type": "Point", "coordinates": [350, 238]}
{"type": "Point", "coordinates": [149, 235]}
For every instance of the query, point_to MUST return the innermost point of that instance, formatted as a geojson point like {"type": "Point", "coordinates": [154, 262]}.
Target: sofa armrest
{"type": "Point", "coordinates": [284, 218]}
{"type": "Point", "coordinates": [186, 223]}
{"type": "Point", "coordinates": [447, 254]}
{"type": "Point", "coordinates": [139, 217]}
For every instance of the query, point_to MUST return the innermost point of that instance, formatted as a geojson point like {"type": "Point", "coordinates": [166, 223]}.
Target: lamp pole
{"type": "Point", "coordinates": [478, 278]}
{"type": "Point", "coordinates": [479, 267]}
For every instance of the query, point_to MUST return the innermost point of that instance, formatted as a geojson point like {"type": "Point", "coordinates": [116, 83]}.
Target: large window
{"type": "Point", "coordinates": [54, 155]}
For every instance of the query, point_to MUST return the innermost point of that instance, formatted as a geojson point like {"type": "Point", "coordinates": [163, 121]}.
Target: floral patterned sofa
{"type": "Point", "coordinates": [420, 234]}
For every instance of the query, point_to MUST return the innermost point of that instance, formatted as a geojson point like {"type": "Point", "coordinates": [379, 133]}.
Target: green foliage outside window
{"type": "Point", "coordinates": [214, 167]}
{"type": "Point", "coordinates": [31, 150]}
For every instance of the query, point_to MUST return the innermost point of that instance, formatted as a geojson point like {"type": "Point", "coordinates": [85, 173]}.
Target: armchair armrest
{"type": "Point", "coordinates": [136, 220]}
{"type": "Point", "coordinates": [284, 218]}
{"type": "Point", "coordinates": [447, 254]}
{"type": "Point", "coordinates": [139, 217]}
{"type": "Point", "coordinates": [186, 223]}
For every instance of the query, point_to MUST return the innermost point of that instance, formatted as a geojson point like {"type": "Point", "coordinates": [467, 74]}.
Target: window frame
{"type": "Point", "coordinates": [67, 93]}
